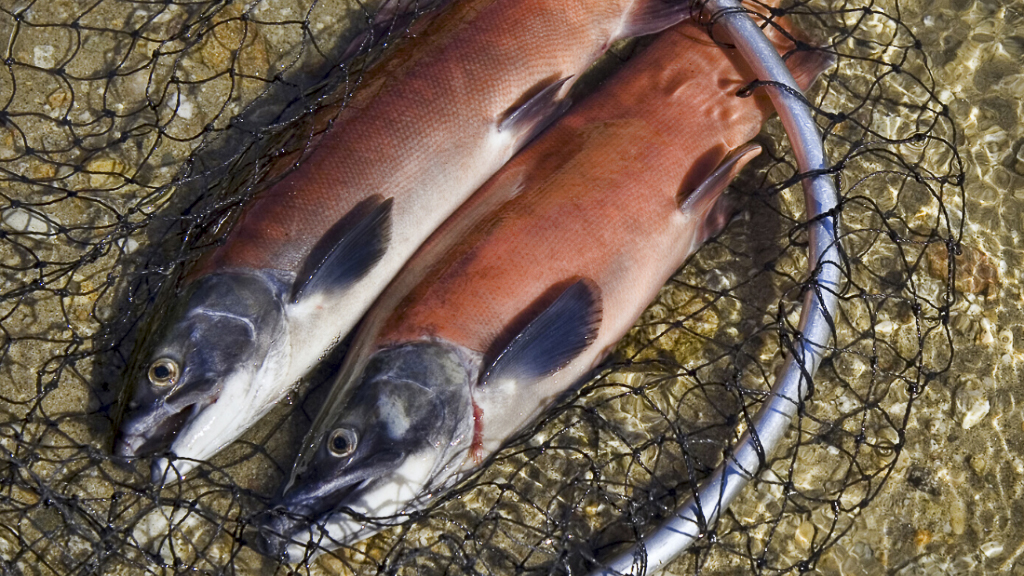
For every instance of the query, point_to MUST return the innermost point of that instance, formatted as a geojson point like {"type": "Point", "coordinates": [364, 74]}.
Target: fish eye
{"type": "Point", "coordinates": [163, 372]}
{"type": "Point", "coordinates": [342, 442]}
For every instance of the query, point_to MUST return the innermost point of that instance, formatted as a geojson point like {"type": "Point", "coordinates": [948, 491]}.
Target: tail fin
{"type": "Point", "coordinates": [803, 58]}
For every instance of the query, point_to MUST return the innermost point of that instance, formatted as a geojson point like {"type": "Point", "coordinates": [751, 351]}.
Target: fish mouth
{"type": "Point", "coordinates": [289, 531]}
{"type": "Point", "coordinates": [148, 436]}
{"type": "Point", "coordinates": [276, 532]}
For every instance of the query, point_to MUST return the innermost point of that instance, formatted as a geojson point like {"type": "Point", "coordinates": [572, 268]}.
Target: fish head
{"type": "Point", "coordinates": [218, 332]}
{"type": "Point", "coordinates": [404, 431]}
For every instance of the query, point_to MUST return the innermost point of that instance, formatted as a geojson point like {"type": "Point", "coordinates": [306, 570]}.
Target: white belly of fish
{"type": "Point", "coordinates": [319, 322]}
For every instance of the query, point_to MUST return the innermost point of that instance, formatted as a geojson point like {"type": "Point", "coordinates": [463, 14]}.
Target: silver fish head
{"type": "Point", "coordinates": [220, 331]}
{"type": "Point", "coordinates": [404, 431]}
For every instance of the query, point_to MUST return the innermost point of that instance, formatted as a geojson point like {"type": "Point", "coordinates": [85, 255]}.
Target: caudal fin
{"type": "Point", "coordinates": [804, 58]}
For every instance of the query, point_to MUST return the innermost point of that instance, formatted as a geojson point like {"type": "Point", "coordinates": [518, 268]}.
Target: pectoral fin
{"type": "Point", "coordinates": [552, 339]}
{"type": "Point", "coordinates": [706, 204]}
{"type": "Point", "coordinates": [532, 116]}
{"type": "Point", "coordinates": [348, 250]}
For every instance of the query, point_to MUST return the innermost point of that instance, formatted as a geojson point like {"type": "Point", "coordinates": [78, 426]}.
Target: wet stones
{"type": "Point", "coordinates": [971, 407]}
{"type": "Point", "coordinates": [106, 173]}
{"type": "Point", "coordinates": [974, 271]}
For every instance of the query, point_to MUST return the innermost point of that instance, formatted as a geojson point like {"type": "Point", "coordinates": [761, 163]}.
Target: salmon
{"type": "Point", "coordinates": [526, 288]}
{"type": "Point", "coordinates": [313, 251]}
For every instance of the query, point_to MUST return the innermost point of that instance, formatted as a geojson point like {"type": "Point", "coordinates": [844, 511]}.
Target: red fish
{"type": "Point", "coordinates": [312, 252]}
{"type": "Point", "coordinates": [528, 286]}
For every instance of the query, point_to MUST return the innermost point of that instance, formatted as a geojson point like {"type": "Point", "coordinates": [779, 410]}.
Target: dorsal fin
{"type": "Point", "coordinates": [532, 116]}
{"type": "Point", "coordinates": [552, 339]}
{"type": "Point", "coordinates": [348, 250]}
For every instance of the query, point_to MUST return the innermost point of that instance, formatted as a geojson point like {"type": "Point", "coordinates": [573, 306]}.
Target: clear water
{"type": "Point", "coordinates": [953, 502]}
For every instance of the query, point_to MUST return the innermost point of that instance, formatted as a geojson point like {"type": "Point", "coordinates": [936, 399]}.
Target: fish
{"type": "Point", "coordinates": [312, 252]}
{"type": "Point", "coordinates": [526, 289]}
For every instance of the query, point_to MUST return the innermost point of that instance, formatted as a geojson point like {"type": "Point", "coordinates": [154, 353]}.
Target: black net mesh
{"type": "Point", "coordinates": [131, 133]}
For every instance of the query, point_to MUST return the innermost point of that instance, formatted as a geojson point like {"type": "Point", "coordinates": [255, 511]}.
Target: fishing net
{"type": "Point", "coordinates": [132, 132]}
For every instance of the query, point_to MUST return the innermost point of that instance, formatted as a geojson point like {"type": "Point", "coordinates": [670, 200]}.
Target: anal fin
{"type": "Point", "coordinates": [552, 339]}
{"type": "Point", "coordinates": [533, 115]}
{"type": "Point", "coordinates": [705, 204]}
{"type": "Point", "coordinates": [349, 249]}
{"type": "Point", "coordinates": [806, 65]}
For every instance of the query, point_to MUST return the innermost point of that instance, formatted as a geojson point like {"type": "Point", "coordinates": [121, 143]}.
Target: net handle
{"type": "Point", "coordinates": [691, 520]}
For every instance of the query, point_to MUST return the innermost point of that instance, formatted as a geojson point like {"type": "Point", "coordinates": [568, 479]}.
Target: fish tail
{"type": "Point", "coordinates": [805, 57]}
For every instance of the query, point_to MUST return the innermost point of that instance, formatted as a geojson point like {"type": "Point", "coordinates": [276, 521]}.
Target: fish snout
{"type": "Point", "coordinates": [276, 529]}
{"type": "Point", "coordinates": [148, 434]}
{"type": "Point", "coordinates": [128, 445]}
{"type": "Point", "coordinates": [297, 519]}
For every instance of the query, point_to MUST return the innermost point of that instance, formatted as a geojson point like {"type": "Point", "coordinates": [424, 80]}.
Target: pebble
{"type": "Point", "coordinates": [991, 549]}
{"type": "Point", "coordinates": [987, 338]}
{"type": "Point", "coordinates": [957, 516]}
{"type": "Point", "coordinates": [978, 464]}
{"type": "Point", "coordinates": [975, 270]}
{"type": "Point", "coordinates": [181, 106]}
{"type": "Point", "coordinates": [104, 171]}
{"type": "Point", "coordinates": [1006, 339]}
{"type": "Point", "coordinates": [42, 56]}
{"type": "Point", "coordinates": [963, 564]}
{"type": "Point", "coordinates": [42, 171]}
{"type": "Point", "coordinates": [58, 101]}
{"type": "Point", "coordinates": [973, 406]}
{"type": "Point", "coordinates": [128, 245]}
{"type": "Point", "coordinates": [804, 536]}
{"type": "Point", "coordinates": [847, 404]}
{"type": "Point", "coordinates": [21, 220]}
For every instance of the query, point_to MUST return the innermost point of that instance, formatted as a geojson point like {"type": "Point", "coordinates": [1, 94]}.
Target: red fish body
{"type": "Point", "coordinates": [312, 252]}
{"type": "Point", "coordinates": [531, 283]}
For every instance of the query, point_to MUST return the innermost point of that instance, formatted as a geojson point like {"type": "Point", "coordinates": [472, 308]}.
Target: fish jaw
{"type": "Point", "coordinates": [405, 430]}
{"type": "Point", "coordinates": [293, 529]}
{"type": "Point", "coordinates": [475, 136]}
{"type": "Point", "coordinates": [149, 432]}
{"type": "Point", "coordinates": [244, 398]}
{"type": "Point", "coordinates": [216, 339]}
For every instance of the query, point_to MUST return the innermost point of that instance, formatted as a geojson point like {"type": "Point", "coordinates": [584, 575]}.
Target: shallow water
{"type": "Point", "coordinates": [953, 503]}
{"type": "Point", "coordinates": [950, 501]}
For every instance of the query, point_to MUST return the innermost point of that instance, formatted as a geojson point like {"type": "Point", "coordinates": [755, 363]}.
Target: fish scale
{"type": "Point", "coordinates": [528, 286]}
{"type": "Point", "coordinates": [456, 102]}
{"type": "Point", "coordinates": [419, 132]}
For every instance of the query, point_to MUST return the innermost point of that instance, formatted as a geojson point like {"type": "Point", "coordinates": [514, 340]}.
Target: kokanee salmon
{"type": "Point", "coordinates": [527, 287]}
{"type": "Point", "coordinates": [312, 252]}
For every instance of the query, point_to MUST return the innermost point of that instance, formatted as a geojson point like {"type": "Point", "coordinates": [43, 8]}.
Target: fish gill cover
{"type": "Point", "coordinates": [132, 132]}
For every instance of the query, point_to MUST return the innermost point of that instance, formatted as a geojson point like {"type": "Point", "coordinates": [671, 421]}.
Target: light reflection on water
{"type": "Point", "coordinates": [954, 502]}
